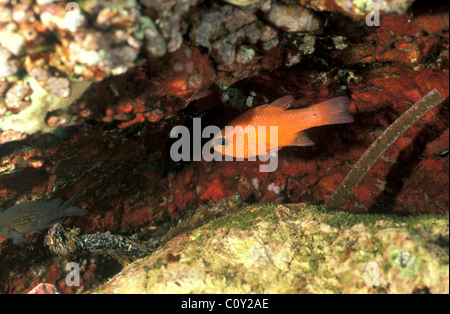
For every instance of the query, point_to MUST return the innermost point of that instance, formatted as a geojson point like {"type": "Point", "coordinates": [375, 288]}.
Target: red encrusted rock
{"type": "Point", "coordinates": [130, 185]}
{"type": "Point", "coordinates": [401, 39]}
{"type": "Point", "coordinates": [184, 73]}
{"type": "Point", "coordinates": [162, 87]}
{"type": "Point", "coordinates": [213, 192]}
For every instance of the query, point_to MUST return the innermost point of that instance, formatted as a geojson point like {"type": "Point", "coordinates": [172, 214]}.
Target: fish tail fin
{"type": "Point", "coordinates": [334, 111]}
{"type": "Point", "coordinates": [74, 211]}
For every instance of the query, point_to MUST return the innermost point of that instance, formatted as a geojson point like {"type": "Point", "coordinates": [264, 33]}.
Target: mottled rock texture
{"type": "Point", "coordinates": [90, 109]}
{"type": "Point", "coordinates": [296, 249]}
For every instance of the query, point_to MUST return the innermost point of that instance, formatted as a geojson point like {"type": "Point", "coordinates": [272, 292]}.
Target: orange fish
{"type": "Point", "coordinates": [250, 135]}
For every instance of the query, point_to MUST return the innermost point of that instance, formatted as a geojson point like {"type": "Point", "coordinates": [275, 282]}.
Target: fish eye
{"type": "Point", "coordinates": [221, 142]}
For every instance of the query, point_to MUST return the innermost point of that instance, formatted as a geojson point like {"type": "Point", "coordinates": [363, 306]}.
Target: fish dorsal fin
{"type": "Point", "coordinates": [70, 201]}
{"type": "Point", "coordinates": [302, 139]}
{"type": "Point", "coordinates": [283, 102]}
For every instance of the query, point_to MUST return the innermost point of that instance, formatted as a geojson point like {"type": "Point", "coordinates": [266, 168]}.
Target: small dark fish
{"type": "Point", "coordinates": [29, 217]}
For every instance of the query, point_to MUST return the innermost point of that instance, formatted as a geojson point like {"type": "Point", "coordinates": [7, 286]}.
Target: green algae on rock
{"type": "Point", "coordinates": [296, 248]}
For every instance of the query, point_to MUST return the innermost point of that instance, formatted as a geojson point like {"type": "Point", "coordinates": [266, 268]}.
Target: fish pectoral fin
{"type": "Point", "coordinates": [302, 139]}
{"type": "Point", "coordinates": [283, 102]}
{"type": "Point", "coordinates": [17, 240]}
{"type": "Point", "coordinates": [16, 237]}
{"type": "Point", "coordinates": [272, 153]}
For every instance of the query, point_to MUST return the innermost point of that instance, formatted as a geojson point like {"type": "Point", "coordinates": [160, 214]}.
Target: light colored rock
{"type": "Point", "coordinates": [294, 18]}
{"type": "Point", "coordinates": [295, 249]}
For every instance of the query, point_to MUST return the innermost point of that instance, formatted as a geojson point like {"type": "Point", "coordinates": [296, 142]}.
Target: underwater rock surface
{"type": "Point", "coordinates": [90, 110]}
{"type": "Point", "coordinates": [296, 249]}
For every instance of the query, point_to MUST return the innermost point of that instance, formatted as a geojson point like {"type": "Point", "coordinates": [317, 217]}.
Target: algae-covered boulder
{"type": "Point", "coordinates": [296, 249]}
